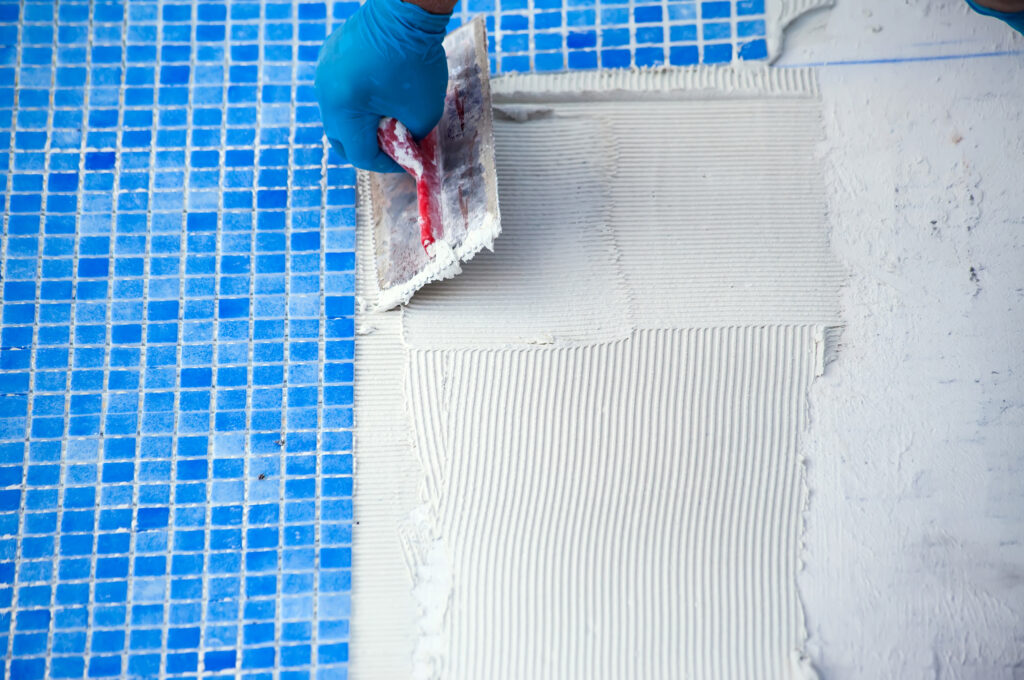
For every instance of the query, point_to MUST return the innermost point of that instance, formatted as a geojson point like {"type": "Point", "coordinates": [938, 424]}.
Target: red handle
{"type": "Point", "coordinates": [420, 161]}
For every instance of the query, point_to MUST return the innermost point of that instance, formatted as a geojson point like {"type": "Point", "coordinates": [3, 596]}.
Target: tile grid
{"type": "Point", "coordinates": [551, 35]}
{"type": "Point", "coordinates": [177, 334]}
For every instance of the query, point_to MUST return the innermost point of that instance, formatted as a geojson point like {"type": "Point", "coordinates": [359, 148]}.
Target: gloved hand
{"type": "Point", "coordinates": [1011, 11]}
{"type": "Point", "coordinates": [386, 60]}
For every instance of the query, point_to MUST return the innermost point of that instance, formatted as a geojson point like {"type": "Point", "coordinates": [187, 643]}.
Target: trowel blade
{"type": "Point", "coordinates": [469, 186]}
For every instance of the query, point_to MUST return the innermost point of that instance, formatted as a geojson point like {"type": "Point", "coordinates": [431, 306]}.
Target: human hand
{"type": "Point", "coordinates": [387, 60]}
{"type": "Point", "coordinates": [1010, 11]}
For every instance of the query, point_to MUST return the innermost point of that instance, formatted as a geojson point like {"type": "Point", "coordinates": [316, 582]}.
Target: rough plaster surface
{"type": "Point", "coordinates": [914, 561]}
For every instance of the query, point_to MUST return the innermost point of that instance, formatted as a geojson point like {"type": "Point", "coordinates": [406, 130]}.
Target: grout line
{"type": "Point", "coordinates": [531, 33]}
{"type": "Point", "coordinates": [26, 450]}
{"type": "Point", "coordinates": [40, 279]}
{"type": "Point", "coordinates": [699, 22]}
{"type": "Point", "coordinates": [146, 280]}
{"type": "Point", "coordinates": [665, 33]}
{"type": "Point", "coordinates": [295, 65]}
{"type": "Point", "coordinates": [143, 365]}
{"type": "Point", "coordinates": [321, 362]}
{"type": "Point", "coordinates": [257, 146]}
{"type": "Point", "coordinates": [72, 324]}
{"type": "Point", "coordinates": [286, 345]}
{"type": "Point", "coordinates": [183, 258]}
{"type": "Point", "coordinates": [631, 26]}
{"type": "Point", "coordinates": [734, 31]}
{"type": "Point", "coordinates": [563, 10]}
{"type": "Point", "coordinates": [108, 331]}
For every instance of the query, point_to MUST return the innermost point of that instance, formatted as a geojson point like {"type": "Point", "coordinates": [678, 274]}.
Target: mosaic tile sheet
{"type": "Point", "coordinates": [176, 333]}
{"type": "Point", "coordinates": [555, 35]}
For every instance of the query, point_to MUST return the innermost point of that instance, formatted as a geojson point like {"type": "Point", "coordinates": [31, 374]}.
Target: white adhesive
{"type": "Point", "coordinates": [432, 589]}
{"type": "Point", "coordinates": [602, 417]}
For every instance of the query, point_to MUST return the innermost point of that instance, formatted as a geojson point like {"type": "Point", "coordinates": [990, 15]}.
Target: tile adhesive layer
{"type": "Point", "coordinates": [579, 458]}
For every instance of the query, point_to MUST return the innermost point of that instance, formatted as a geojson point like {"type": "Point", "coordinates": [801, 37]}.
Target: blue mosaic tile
{"type": "Point", "coordinates": [548, 35]}
{"type": "Point", "coordinates": [176, 320]}
{"type": "Point", "coordinates": [146, 403]}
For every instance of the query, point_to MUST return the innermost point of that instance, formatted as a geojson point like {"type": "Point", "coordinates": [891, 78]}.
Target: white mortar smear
{"type": "Point", "coordinates": [590, 437]}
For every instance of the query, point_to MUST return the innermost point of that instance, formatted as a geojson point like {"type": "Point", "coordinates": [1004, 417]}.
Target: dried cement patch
{"type": "Point", "coordinates": [579, 458]}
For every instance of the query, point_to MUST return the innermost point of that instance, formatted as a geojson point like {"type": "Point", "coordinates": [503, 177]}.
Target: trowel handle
{"type": "Point", "coordinates": [419, 160]}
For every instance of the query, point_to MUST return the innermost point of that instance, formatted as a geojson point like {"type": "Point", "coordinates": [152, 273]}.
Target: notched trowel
{"type": "Point", "coordinates": [444, 210]}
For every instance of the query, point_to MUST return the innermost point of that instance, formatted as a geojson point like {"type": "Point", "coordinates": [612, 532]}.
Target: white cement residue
{"type": "Point", "coordinates": [430, 574]}
{"type": "Point", "coordinates": [602, 418]}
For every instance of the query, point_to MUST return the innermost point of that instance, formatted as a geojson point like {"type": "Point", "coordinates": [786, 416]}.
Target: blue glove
{"type": "Point", "coordinates": [386, 60]}
{"type": "Point", "coordinates": [1014, 19]}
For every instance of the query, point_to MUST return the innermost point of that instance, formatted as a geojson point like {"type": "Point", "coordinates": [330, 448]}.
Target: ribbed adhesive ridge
{"type": "Point", "coordinates": [694, 83]}
{"type": "Point", "coordinates": [627, 509]}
